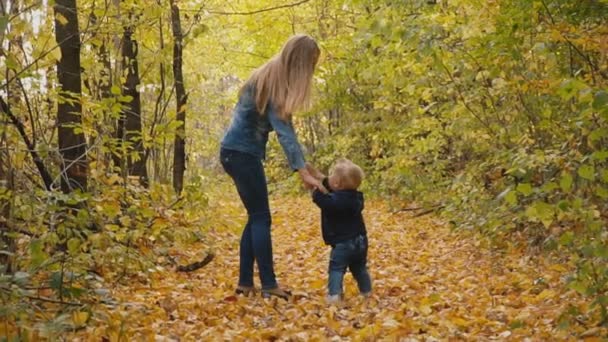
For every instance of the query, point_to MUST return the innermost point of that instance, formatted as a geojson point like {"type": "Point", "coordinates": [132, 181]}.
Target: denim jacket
{"type": "Point", "coordinates": [249, 130]}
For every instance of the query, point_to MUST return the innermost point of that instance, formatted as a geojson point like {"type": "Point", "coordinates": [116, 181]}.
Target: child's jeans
{"type": "Point", "coordinates": [352, 254]}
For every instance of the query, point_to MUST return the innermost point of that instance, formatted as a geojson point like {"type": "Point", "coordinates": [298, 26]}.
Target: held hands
{"type": "Point", "coordinates": [309, 176]}
{"type": "Point", "coordinates": [314, 172]}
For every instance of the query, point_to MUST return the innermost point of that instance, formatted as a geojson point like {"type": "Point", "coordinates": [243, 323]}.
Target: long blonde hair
{"type": "Point", "coordinates": [285, 80]}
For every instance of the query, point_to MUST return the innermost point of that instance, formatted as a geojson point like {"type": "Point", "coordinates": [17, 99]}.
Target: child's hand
{"type": "Point", "coordinates": [310, 181]}
{"type": "Point", "coordinates": [322, 188]}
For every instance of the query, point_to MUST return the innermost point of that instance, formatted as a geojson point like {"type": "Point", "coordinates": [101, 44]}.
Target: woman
{"type": "Point", "coordinates": [271, 94]}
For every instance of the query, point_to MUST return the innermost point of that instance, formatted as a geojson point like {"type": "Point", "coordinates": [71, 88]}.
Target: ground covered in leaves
{"type": "Point", "coordinates": [430, 283]}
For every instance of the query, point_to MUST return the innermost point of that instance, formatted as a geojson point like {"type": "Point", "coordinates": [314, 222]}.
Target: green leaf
{"type": "Point", "coordinates": [511, 197]}
{"type": "Point", "coordinates": [61, 19]}
{"type": "Point", "coordinates": [601, 192]}
{"type": "Point", "coordinates": [125, 98]}
{"type": "Point", "coordinates": [566, 238]}
{"type": "Point", "coordinates": [586, 172]}
{"type": "Point", "coordinates": [563, 205]}
{"type": "Point", "coordinates": [541, 211]}
{"type": "Point", "coordinates": [600, 155]}
{"type": "Point", "coordinates": [598, 134]}
{"type": "Point", "coordinates": [569, 88]}
{"type": "Point", "coordinates": [115, 90]}
{"type": "Point", "coordinates": [99, 12]}
{"type": "Point", "coordinates": [549, 187]}
{"type": "Point", "coordinates": [73, 245]}
{"type": "Point", "coordinates": [12, 63]}
{"type": "Point", "coordinates": [116, 107]}
{"type": "Point", "coordinates": [517, 324]}
{"type": "Point", "coordinates": [525, 189]}
{"type": "Point", "coordinates": [600, 100]}
{"type": "Point", "coordinates": [595, 226]}
{"type": "Point", "coordinates": [200, 29]}
{"type": "Point", "coordinates": [579, 287]}
{"type": "Point", "coordinates": [601, 251]}
{"type": "Point", "coordinates": [37, 254]}
{"type": "Point", "coordinates": [566, 182]}
{"type": "Point", "coordinates": [56, 281]}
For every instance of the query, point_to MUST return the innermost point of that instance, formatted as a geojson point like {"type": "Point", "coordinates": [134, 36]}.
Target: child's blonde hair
{"type": "Point", "coordinates": [349, 174]}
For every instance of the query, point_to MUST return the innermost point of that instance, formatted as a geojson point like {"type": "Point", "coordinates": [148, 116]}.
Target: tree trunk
{"type": "Point", "coordinates": [99, 87]}
{"type": "Point", "coordinates": [72, 145]}
{"type": "Point", "coordinates": [7, 243]}
{"type": "Point", "coordinates": [130, 123]}
{"type": "Point", "coordinates": [179, 153]}
{"type": "Point", "coordinates": [160, 107]}
{"type": "Point", "coordinates": [103, 84]}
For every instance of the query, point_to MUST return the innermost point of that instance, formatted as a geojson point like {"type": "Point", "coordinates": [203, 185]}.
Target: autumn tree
{"type": "Point", "coordinates": [179, 153]}
{"type": "Point", "coordinates": [6, 241]}
{"type": "Point", "coordinates": [129, 129]}
{"type": "Point", "coordinates": [490, 115]}
{"type": "Point", "coordinates": [72, 143]}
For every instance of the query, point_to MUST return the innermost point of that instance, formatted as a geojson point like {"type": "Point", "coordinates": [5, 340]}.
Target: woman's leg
{"type": "Point", "coordinates": [262, 247]}
{"type": "Point", "coordinates": [246, 257]}
{"type": "Point", "coordinates": [247, 172]}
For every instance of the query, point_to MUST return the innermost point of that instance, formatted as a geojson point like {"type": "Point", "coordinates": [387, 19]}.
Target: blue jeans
{"type": "Point", "coordinates": [247, 172]}
{"type": "Point", "coordinates": [352, 254]}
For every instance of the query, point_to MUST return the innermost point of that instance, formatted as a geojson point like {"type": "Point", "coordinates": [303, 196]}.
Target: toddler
{"type": "Point", "coordinates": [343, 227]}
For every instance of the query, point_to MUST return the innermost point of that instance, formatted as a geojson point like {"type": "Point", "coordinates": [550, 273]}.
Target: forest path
{"type": "Point", "coordinates": [430, 283]}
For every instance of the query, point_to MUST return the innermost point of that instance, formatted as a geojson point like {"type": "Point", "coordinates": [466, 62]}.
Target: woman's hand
{"type": "Point", "coordinates": [310, 182]}
{"type": "Point", "coordinates": [314, 172]}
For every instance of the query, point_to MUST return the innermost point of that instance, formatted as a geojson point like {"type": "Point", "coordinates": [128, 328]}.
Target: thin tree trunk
{"type": "Point", "coordinates": [105, 86]}
{"type": "Point", "coordinates": [100, 89]}
{"type": "Point", "coordinates": [179, 153]}
{"type": "Point", "coordinates": [130, 124]}
{"type": "Point", "coordinates": [102, 85]}
{"type": "Point", "coordinates": [72, 145]}
{"type": "Point", "coordinates": [6, 241]}
{"type": "Point", "coordinates": [160, 106]}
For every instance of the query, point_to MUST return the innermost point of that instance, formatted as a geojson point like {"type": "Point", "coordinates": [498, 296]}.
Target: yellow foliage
{"type": "Point", "coordinates": [429, 283]}
{"type": "Point", "coordinates": [80, 318]}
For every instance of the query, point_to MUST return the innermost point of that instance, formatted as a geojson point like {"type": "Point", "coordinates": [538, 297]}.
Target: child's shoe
{"type": "Point", "coordinates": [278, 292]}
{"type": "Point", "coordinates": [334, 299]}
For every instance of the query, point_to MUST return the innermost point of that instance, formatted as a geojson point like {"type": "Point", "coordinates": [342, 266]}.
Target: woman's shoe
{"type": "Point", "coordinates": [278, 292]}
{"type": "Point", "coordinates": [245, 290]}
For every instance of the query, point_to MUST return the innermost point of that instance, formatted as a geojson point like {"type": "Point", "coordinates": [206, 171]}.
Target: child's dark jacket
{"type": "Point", "coordinates": [341, 217]}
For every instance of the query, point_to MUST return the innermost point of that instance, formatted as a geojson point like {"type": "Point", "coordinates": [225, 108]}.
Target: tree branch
{"type": "Point", "coordinates": [45, 299]}
{"type": "Point", "coordinates": [267, 9]}
{"type": "Point", "coordinates": [592, 67]}
{"type": "Point", "coordinates": [196, 265]}
{"type": "Point", "coordinates": [44, 173]}
{"type": "Point", "coordinates": [464, 101]}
